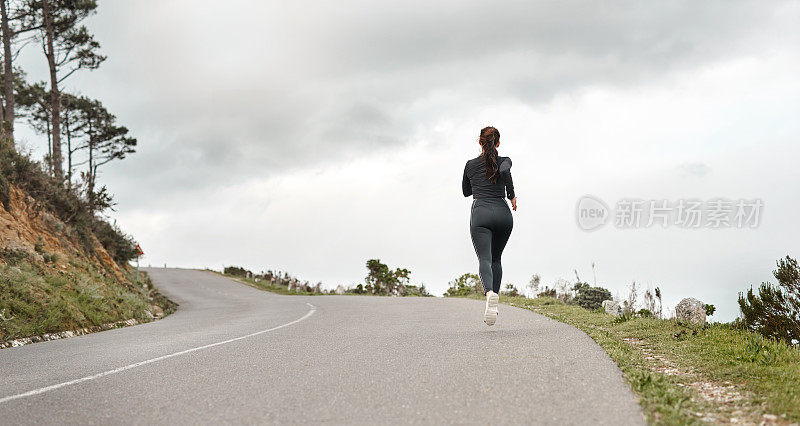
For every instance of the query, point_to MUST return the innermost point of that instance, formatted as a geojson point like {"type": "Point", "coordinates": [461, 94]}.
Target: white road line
{"type": "Point", "coordinates": [149, 361]}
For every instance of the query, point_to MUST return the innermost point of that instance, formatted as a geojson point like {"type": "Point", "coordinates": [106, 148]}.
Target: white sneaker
{"type": "Point", "coordinates": [490, 315]}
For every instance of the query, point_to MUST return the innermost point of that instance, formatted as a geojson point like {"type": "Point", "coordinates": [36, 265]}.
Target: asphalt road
{"type": "Point", "coordinates": [234, 354]}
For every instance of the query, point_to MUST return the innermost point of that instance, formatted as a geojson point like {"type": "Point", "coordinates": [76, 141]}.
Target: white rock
{"type": "Point", "coordinates": [691, 311]}
{"type": "Point", "coordinates": [611, 307]}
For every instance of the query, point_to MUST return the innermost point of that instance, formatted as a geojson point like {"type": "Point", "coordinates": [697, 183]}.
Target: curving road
{"type": "Point", "coordinates": [234, 354]}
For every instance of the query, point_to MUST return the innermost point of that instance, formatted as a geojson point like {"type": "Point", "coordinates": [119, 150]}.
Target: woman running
{"type": "Point", "coordinates": [488, 179]}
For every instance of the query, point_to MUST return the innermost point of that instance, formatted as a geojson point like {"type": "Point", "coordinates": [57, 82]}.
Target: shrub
{"type": "Point", "coordinates": [775, 310]}
{"type": "Point", "coordinates": [412, 290]}
{"type": "Point", "coordinates": [38, 247]}
{"type": "Point", "coordinates": [710, 309]}
{"type": "Point", "coordinates": [511, 291]}
{"type": "Point", "coordinates": [236, 271]}
{"type": "Point", "coordinates": [382, 280]}
{"type": "Point", "coordinates": [548, 292]}
{"type": "Point", "coordinates": [13, 256]}
{"type": "Point", "coordinates": [5, 189]}
{"type": "Point", "coordinates": [29, 175]}
{"type": "Point", "coordinates": [465, 285]}
{"type": "Point", "coordinates": [120, 247]}
{"type": "Point", "coordinates": [590, 297]}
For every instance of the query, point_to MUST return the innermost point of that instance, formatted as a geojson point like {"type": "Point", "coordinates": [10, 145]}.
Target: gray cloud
{"type": "Point", "coordinates": [259, 88]}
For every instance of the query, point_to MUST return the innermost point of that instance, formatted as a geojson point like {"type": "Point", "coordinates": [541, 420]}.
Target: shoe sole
{"type": "Point", "coordinates": [490, 315]}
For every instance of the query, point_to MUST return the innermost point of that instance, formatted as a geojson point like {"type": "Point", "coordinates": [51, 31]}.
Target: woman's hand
{"type": "Point", "coordinates": [514, 203]}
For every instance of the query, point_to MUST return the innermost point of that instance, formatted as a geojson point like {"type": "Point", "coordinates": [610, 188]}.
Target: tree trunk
{"type": "Point", "coordinates": [94, 177]}
{"type": "Point", "coordinates": [90, 183]}
{"type": "Point", "coordinates": [69, 149]}
{"type": "Point", "coordinates": [55, 96]}
{"type": "Point", "coordinates": [49, 148]}
{"type": "Point", "coordinates": [8, 71]}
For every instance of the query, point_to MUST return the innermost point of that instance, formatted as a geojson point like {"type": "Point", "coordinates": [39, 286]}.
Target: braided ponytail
{"type": "Point", "coordinates": [489, 139]}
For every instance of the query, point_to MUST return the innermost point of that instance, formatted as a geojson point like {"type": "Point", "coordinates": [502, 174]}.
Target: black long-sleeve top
{"type": "Point", "coordinates": [476, 183]}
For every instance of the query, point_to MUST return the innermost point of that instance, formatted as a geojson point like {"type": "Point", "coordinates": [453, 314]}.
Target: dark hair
{"type": "Point", "coordinates": [489, 139]}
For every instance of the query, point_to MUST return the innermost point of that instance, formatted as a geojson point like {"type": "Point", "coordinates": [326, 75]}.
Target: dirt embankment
{"type": "Point", "coordinates": [25, 226]}
{"type": "Point", "coordinates": [57, 277]}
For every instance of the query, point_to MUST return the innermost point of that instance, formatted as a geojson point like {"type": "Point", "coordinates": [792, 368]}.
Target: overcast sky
{"type": "Point", "coordinates": [312, 136]}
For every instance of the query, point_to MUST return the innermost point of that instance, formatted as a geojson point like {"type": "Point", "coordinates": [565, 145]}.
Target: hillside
{"type": "Point", "coordinates": [62, 267]}
{"type": "Point", "coordinates": [29, 231]}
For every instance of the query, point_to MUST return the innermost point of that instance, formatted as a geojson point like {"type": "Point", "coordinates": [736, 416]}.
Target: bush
{"type": "Point", "coordinates": [382, 280]}
{"type": "Point", "coordinates": [510, 291]}
{"type": "Point", "coordinates": [13, 256]}
{"type": "Point", "coordinates": [465, 285]}
{"type": "Point", "coordinates": [590, 297]}
{"type": "Point", "coordinates": [5, 189]}
{"type": "Point", "coordinates": [120, 247]}
{"type": "Point", "coordinates": [775, 310]}
{"type": "Point", "coordinates": [548, 292]}
{"type": "Point", "coordinates": [29, 175]}
{"type": "Point", "coordinates": [412, 290]}
{"type": "Point", "coordinates": [38, 247]}
{"type": "Point", "coordinates": [236, 271]}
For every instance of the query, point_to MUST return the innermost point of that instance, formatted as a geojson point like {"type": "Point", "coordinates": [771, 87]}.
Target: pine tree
{"type": "Point", "coordinates": [16, 19]}
{"type": "Point", "coordinates": [775, 310]}
{"type": "Point", "coordinates": [68, 47]}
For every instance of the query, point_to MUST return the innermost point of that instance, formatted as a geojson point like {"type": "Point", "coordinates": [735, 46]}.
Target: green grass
{"type": "Point", "coordinates": [282, 289]}
{"type": "Point", "coordinates": [265, 285]}
{"type": "Point", "coordinates": [36, 298]}
{"type": "Point", "coordinates": [764, 373]}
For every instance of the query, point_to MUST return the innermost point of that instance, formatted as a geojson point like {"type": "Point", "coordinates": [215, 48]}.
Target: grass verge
{"type": "Point", "coordinates": [36, 298]}
{"type": "Point", "coordinates": [265, 285]}
{"type": "Point", "coordinates": [716, 373]}
{"type": "Point", "coordinates": [274, 287]}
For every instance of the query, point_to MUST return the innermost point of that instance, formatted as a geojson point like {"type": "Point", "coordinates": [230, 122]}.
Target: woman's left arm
{"type": "Point", "coordinates": [466, 186]}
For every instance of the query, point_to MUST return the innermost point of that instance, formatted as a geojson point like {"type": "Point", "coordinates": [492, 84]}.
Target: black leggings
{"type": "Point", "coordinates": [490, 226]}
